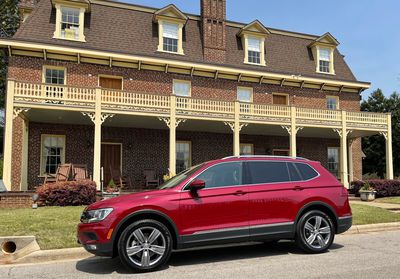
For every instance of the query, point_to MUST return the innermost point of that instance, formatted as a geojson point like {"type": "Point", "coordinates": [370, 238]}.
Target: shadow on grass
{"type": "Point", "coordinates": [97, 265]}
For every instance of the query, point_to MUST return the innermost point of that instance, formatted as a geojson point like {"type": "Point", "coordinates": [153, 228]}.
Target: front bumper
{"type": "Point", "coordinates": [344, 223]}
{"type": "Point", "coordinates": [93, 238]}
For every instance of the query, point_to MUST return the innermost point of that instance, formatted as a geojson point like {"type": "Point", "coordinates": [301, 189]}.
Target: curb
{"type": "Point", "coordinates": [358, 229]}
{"type": "Point", "coordinates": [54, 255]}
{"type": "Point", "coordinates": [80, 253]}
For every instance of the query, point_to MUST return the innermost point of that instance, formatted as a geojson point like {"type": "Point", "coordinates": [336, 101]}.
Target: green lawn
{"type": "Point", "coordinates": [366, 214]}
{"type": "Point", "coordinates": [55, 227]}
{"type": "Point", "coordinates": [395, 200]}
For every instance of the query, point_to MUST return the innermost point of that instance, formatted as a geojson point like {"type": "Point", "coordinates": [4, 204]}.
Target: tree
{"type": "Point", "coordinates": [9, 22]}
{"type": "Point", "coordinates": [374, 146]}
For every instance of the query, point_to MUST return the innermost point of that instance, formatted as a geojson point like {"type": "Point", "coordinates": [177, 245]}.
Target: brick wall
{"type": "Point", "coordinates": [31, 69]}
{"type": "Point", "coordinates": [15, 200]}
{"type": "Point", "coordinates": [16, 154]}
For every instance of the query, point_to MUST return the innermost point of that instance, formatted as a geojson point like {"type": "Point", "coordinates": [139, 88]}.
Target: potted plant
{"type": "Point", "coordinates": [111, 190]}
{"type": "Point", "coordinates": [367, 192]}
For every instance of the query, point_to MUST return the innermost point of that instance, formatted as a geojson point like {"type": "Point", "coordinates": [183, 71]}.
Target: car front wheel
{"type": "Point", "coordinates": [145, 245]}
{"type": "Point", "coordinates": [315, 232]}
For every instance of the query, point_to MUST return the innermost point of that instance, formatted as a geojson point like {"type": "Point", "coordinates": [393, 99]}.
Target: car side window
{"type": "Point", "coordinates": [293, 172]}
{"type": "Point", "coordinates": [268, 172]}
{"type": "Point", "coordinates": [225, 174]}
{"type": "Point", "coordinates": [306, 171]}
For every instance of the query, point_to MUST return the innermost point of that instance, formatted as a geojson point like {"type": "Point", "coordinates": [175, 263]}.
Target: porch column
{"type": "Point", "coordinates": [293, 132]}
{"type": "Point", "coordinates": [343, 152]}
{"type": "Point", "coordinates": [236, 130]}
{"type": "Point", "coordinates": [97, 140]}
{"type": "Point", "coordinates": [8, 134]}
{"type": "Point", "coordinates": [24, 163]}
{"type": "Point", "coordinates": [389, 151]}
{"type": "Point", "coordinates": [351, 167]}
{"type": "Point", "coordinates": [172, 137]}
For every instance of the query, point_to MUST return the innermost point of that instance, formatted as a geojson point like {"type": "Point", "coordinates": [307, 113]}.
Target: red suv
{"type": "Point", "coordinates": [235, 199]}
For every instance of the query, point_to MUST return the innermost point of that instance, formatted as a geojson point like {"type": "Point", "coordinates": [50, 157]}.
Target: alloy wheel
{"type": "Point", "coordinates": [146, 246]}
{"type": "Point", "coordinates": [317, 232]}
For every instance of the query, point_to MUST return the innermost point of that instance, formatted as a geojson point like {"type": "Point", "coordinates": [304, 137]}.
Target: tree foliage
{"type": "Point", "coordinates": [9, 22]}
{"type": "Point", "coordinates": [374, 147]}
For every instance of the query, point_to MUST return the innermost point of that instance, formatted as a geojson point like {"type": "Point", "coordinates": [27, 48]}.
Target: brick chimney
{"type": "Point", "coordinates": [213, 16]}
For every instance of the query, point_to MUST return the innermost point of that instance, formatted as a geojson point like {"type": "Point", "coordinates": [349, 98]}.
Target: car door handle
{"type": "Point", "coordinates": [298, 188]}
{"type": "Point", "coordinates": [239, 193]}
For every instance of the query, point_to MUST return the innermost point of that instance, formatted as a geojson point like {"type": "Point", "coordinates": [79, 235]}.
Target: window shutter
{"type": "Point", "coordinates": [170, 31]}
{"type": "Point", "coordinates": [254, 44]}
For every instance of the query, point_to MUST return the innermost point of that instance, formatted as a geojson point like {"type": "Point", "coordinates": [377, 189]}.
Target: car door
{"type": "Point", "coordinates": [273, 197]}
{"type": "Point", "coordinates": [220, 210]}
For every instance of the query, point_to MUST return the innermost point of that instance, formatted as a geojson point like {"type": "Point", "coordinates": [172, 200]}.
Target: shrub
{"type": "Point", "coordinates": [383, 187]}
{"type": "Point", "coordinates": [370, 176]}
{"type": "Point", "coordinates": [67, 193]}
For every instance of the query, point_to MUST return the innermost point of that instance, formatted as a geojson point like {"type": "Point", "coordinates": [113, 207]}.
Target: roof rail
{"type": "Point", "coordinates": [265, 156]}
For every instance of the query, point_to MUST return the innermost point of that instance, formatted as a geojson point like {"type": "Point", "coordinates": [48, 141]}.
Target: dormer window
{"type": "Point", "coordinates": [70, 19]}
{"type": "Point", "coordinates": [324, 60]}
{"type": "Point", "coordinates": [170, 29]}
{"type": "Point", "coordinates": [254, 50]}
{"type": "Point", "coordinates": [170, 37]}
{"type": "Point", "coordinates": [70, 23]}
{"type": "Point", "coordinates": [323, 49]}
{"type": "Point", "coordinates": [253, 40]}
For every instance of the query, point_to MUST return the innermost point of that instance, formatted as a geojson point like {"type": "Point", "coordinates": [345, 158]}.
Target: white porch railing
{"type": "Point", "coordinates": [62, 95]}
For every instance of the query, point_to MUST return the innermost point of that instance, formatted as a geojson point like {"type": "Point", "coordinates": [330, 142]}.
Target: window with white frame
{"type": "Point", "coordinates": [54, 76]}
{"type": "Point", "coordinates": [324, 60]}
{"type": "Point", "coordinates": [245, 94]}
{"type": "Point", "coordinates": [52, 153]}
{"type": "Point", "coordinates": [183, 156]}
{"type": "Point", "coordinates": [332, 102]}
{"type": "Point", "coordinates": [333, 160]}
{"type": "Point", "coordinates": [254, 50]}
{"type": "Point", "coordinates": [70, 23]}
{"type": "Point", "coordinates": [246, 149]}
{"type": "Point", "coordinates": [182, 88]}
{"type": "Point", "coordinates": [170, 37]}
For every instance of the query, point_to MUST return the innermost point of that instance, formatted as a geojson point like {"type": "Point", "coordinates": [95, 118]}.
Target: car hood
{"type": "Point", "coordinates": [123, 199]}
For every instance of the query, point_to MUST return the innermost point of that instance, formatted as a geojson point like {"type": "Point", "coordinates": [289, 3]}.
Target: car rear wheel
{"type": "Point", "coordinates": [145, 246]}
{"type": "Point", "coordinates": [315, 232]}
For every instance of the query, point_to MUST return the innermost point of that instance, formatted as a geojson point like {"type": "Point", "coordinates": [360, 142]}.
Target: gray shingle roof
{"type": "Point", "coordinates": [133, 32]}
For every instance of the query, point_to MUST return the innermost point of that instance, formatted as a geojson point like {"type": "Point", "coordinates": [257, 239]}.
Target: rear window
{"type": "Point", "coordinates": [306, 171]}
{"type": "Point", "coordinates": [267, 172]}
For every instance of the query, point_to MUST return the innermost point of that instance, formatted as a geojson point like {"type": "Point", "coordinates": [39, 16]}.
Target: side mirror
{"type": "Point", "coordinates": [197, 185]}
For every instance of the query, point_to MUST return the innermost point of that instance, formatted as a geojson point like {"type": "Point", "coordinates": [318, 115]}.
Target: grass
{"type": "Point", "coordinates": [366, 214]}
{"type": "Point", "coordinates": [395, 200]}
{"type": "Point", "coordinates": [54, 227]}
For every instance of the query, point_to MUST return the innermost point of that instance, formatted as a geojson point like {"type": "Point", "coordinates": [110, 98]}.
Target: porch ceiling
{"type": "Point", "coordinates": [76, 118]}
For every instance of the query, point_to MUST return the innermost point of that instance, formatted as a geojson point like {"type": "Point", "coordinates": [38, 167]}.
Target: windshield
{"type": "Point", "coordinates": [174, 181]}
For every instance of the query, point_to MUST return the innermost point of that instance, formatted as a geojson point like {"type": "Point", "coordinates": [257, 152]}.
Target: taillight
{"type": "Point", "coordinates": [344, 192]}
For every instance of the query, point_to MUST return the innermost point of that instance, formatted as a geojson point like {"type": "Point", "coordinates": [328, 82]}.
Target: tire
{"type": "Point", "coordinates": [145, 246]}
{"type": "Point", "coordinates": [310, 236]}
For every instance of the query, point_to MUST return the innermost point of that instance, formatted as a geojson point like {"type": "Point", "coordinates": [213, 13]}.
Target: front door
{"type": "Point", "coordinates": [110, 158]}
{"type": "Point", "coordinates": [220, 210]}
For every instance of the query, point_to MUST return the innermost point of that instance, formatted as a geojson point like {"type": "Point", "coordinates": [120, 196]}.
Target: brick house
{"type": "Point", "coordinates": [106, 83]}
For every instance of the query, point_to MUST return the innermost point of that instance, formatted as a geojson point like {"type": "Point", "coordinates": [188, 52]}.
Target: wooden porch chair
{"type": "Point", "coordinates": [122, 182]}
{"type": "Point", "coordinates": [80, 172]}
{"type": "Point", "coordinates": [63, 174]}
{"type": "Point", "coordinates": [150, 178]}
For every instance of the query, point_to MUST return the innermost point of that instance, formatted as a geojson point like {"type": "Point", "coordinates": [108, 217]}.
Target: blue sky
{"type": "Point", "coordinates": [369, 30]}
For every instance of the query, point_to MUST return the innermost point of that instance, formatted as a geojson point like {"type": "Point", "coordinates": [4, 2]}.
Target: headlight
{"type": "Point", "coordinates": [96, 215]}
